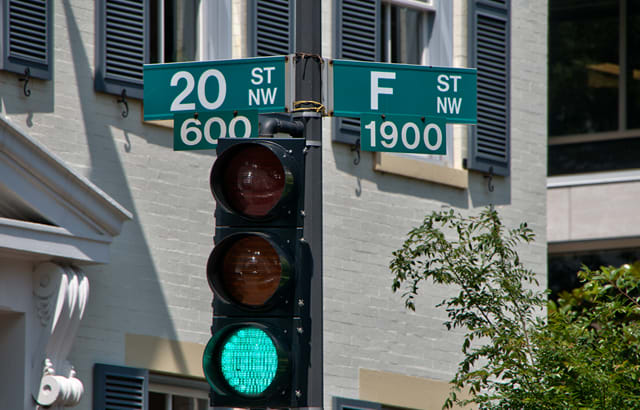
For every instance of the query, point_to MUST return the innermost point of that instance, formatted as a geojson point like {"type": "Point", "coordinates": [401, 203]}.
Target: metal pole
{"type": "Point", "coordinates": [309, 88]}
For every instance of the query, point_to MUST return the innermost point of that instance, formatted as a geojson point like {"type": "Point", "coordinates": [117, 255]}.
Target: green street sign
{"type": "Point", "coordinates": [261, 84]}
{"type": "Point", "coordinates": [403, 133]}
{"type": "Point", "coordinates": [202, 131]}
{"type": "Point", "coordinates": [357, 87]}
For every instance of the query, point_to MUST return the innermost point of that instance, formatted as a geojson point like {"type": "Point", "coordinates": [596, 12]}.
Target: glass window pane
{"type": "Point", "coordinates": [563, 268]}
{"type": "Point", "coordinates": [406, 46]}
{"type": "Point", "coordinates": [633, 67]}
{"type": "Point", "coordinates": [203, 404]}
{"type": "Point", "coordinates": [597, 156]}
{"type": "Point", "coordinates": [180, 25]}
{"type": "Point", "coordinates": [157, 400]}
{"type": "Point", "coordinates": [583, 66]}
{"type": "Point", "coordinates": [182, 403]}
{"type": "Point", "coordinates": [155, 42]}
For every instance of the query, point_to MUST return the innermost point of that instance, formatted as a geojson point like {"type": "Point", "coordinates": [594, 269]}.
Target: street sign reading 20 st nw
{"type": "Point", "coordinates": [261, 84]}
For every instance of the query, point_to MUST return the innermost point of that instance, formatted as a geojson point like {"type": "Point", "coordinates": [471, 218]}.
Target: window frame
{"type": "Point", "coordinates": [205, 30]}
{"type": "Point", "coordinates": [347, 130]}
{"type": "Point", "coordinates": [427, 10]}
{"type": "Point", "coordinates": [622, 132]}
{"type": "Point", "coordinates": [160, 38]}
{"type": "Point", "coordinates": [342, 403]}
{"type": "Point", "coordinates": [178, 386]}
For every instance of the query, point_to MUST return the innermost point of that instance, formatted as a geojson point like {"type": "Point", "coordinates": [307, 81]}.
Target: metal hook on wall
{"type": "Point", "coordinates": [26, 78]}
{"type": "Point", "coordinates": [490, 180]}
{"type": "Point", "coordinates": [123, 100]}
{"type": "Point", "coordinates": [356, 147]}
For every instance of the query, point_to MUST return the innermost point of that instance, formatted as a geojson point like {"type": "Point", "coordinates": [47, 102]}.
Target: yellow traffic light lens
{"type": "Point", "coordinates": [254, 180]}
{"type": "Point", "coordinates": [251, 271]}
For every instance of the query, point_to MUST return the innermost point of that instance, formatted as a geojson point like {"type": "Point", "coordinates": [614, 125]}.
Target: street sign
{"type": "Point", "coordinates": [358, 87]}
{"type": "Point", "coordinates": [261, 84]}
{"type": "Point", "coordinates": [202, 130]}
{"type": "Point", "coordinates": [402, 133]}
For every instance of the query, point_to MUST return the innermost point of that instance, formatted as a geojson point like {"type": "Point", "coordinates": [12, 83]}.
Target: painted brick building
{"type": "Point", "coordinates": [105, 231]}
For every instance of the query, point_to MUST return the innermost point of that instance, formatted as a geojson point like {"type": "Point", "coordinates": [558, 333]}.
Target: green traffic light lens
{"type": "Point", "coordinates": [249, 361]}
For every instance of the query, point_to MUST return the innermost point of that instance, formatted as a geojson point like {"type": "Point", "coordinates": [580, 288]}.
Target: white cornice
{"type": "Point", "coordinates": [88, 217]}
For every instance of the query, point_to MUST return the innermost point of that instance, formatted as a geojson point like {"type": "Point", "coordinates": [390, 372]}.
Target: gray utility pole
{"type": "Point", "coordinates": [308, 87]}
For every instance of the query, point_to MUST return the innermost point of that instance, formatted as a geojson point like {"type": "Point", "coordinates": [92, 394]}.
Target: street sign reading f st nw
{"type": "Point", "coordinates": [262, 84]}
{"type": "Point", "coordinates": [358, 87]}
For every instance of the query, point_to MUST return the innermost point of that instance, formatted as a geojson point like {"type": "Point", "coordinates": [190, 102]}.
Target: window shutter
{"type": "Point", "coordinates": [357, 38]}
{"type": "Point", "coordinates": [119, 387]}
{"type": "Point", "coordinates": [122, 46]}
{"type": "Point", "coordinates": [489, 148]}
{"type": "Point", "coordinates": [272, 23]}
{"type": "Point", "coordinates": [27, 37]}
{"type": "Point", "coordinates": [340, 403]}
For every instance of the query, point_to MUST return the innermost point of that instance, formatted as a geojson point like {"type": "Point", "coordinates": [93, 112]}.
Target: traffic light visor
{"type": "Point", "coordinates": [250, 179]}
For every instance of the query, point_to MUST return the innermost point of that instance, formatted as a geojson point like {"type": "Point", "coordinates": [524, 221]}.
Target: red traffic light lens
{"type": "Point", "coordinates": [251, 271]}
{"type": "Point", "coordinates": [254, 180]}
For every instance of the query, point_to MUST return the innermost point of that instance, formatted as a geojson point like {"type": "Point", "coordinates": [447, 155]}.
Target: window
{"type": "Point", "coordinates": [26, 33]}
{"type": "Point", "coordinates": [564, 267]}
{"type": "Point", "coordinates": [131, 33]}
{"type": "Point", "coordinates": [406, 32]}
{"type": "Point", "coordinates": [341, 403]}
{"type": "Point", "coordinates": [374, 31]}
{"type": "Point", "coordinates": [173, 394]}
{"type": "Point", "coordinates": [406, 29]}
{"type": "Point", "coordinates": [420, 32]}
{"type": "Point", "coordinates": [173, 26]}
{"type": "Point", "coordinates": [594, 85]}
{"type": "Point", "coordinates": [134, 388]}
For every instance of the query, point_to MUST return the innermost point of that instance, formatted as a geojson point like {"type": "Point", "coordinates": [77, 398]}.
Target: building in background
{"type": "Point", "coordinates": [105, 230]}
{"type": "Point", "coordinates": [594, 138]}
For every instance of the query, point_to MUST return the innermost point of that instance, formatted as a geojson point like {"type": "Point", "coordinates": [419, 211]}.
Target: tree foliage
{"type": "Point", "coordinates": [584, 354]}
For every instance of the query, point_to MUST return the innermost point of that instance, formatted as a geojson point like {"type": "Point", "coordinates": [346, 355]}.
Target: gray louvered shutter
{"type": "Point", "coordinates": [357, 38]}
{"type": "Point", "coordinates": [489, 148]}
{"type": "Point", "coordinates": [119, 387]}
{"type": "Point", "coordinates": [340, 403]}
{"type": "Point", "coordinates": [27, 37]}
{"type": "Point", "coordinates": [122, 46]}
{"type": "Point", "coordinates": [272, 23]}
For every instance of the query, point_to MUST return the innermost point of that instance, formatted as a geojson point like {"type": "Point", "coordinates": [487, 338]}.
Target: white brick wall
{"type": "Point", "coordinates": [156, 285]}
{"type": "Point", "coordinates": [368, 214]}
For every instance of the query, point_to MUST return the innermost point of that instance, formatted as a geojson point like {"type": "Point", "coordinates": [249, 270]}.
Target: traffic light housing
{"type": "Point", "coordinates": [259, 271]}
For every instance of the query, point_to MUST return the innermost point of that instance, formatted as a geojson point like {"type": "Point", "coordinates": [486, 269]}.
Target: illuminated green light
{"type": "Point", "coordinates": [249, 361]}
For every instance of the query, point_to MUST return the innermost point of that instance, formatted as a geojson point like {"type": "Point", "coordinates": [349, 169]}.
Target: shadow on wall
{"type": "Point", "coordinates": [129, 287]}
{"type": "Point", "coordinates": [15, 89]}
{"type": "Point", "coordinates": [477, 194]}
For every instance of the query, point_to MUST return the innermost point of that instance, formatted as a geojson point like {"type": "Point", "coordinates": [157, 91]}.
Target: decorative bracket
{"type": "Point", "coordinates": [61, 294]}
{"type": "Point", "coordinates": [123, 100]}
{"type": "Point", "coordinates": [356, 147]}
{"type": "Point", "coordinates": [490, 179]}
{"type": "Point", "coordinates": [26, 78]}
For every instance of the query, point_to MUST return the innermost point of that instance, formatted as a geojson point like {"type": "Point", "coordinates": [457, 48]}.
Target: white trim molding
{"type": "Point", "coordinates": [594, 178]}
{"type": "Point", "coordinates": [49, 209]}
{"type": "Point", "coordinates": [60, 294]}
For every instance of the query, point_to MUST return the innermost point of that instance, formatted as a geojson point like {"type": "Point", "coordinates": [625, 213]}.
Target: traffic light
{"type": "Point", "coordinates": [259, 271]}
